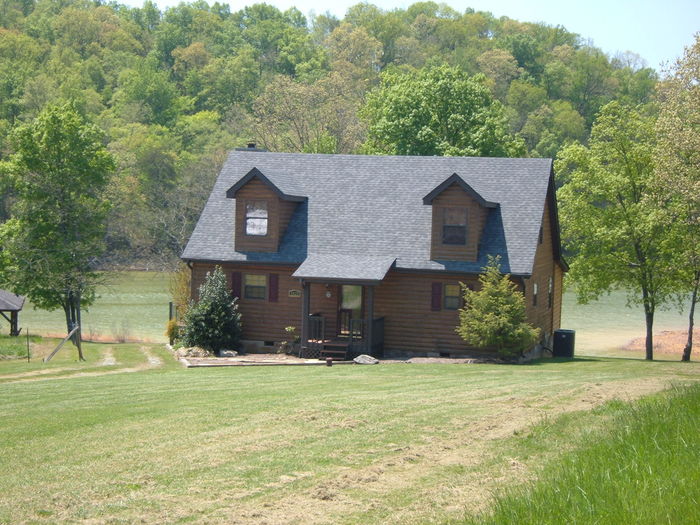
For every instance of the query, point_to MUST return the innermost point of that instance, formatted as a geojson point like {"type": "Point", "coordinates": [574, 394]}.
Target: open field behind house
{"type": "Point", "coordinates": [402, 443]}
{"type": "Point", "coordinates": [134, 306]}
{"type": "Point", "coordinates": [130, 306]}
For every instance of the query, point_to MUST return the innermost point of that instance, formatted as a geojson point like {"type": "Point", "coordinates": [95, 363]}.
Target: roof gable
{"type": "Point", "coordinates": [255, 173]}
{"type": "Point", "coordinates": [456, 179]}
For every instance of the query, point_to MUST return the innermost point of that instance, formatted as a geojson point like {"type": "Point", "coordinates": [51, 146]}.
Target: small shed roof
{"type": "Point", "coordinates": [10, 302]}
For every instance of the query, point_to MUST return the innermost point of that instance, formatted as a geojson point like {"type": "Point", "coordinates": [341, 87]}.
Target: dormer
{"type": "Point", "coordinates": [263, 211]}
{"type": "Point", "coordinates": [459, 215]}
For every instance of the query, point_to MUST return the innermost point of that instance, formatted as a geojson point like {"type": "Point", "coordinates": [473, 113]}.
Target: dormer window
{"type": "Point", "coordinates": [256, 218]}
{"type": "Point", "coordinates": [454, 226]}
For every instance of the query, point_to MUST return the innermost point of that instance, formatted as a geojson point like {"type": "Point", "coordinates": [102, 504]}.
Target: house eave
{"type": "Point", "coordinates": [238, 261]}
{"type": "Point", "coordinates": [456, 179]}
{"type": "Point", "coordinates": [255, 173]}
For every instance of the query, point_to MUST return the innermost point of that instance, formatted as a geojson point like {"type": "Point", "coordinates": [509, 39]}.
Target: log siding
{"type": "Point", "coordinates": [543, 315]}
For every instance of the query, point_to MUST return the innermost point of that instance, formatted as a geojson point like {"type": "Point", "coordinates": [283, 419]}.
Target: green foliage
{"type": "Point", "coordinates": [179, 286]}
{"type": "Point", "coordinates": [438, 111]}
{"type": "Point", "coordinates": [494, 316]}
{"type": "Point", "coordinates": [153, 80]}
{"type": "Point", "coordinates": [16, 347]}
{"type": "Point", "coordinates": [611, 212]}
{"type": "Point", "coordinates": [677, 159]}
{"type": "Point", "coordinates": [172, 330]}
{"type": "Point", "coordinates": [213, 322]}
{"type": "Point", "coordinates": [56, 234]}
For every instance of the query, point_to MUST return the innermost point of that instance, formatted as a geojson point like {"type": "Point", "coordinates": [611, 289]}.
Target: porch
{"type": "Point", "coordinates": [321, 343]}
{"type": "Point", "coordinates": [338, 311]}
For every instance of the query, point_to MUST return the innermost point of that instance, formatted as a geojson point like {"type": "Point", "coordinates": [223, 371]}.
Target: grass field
{"type": "Point", "coordinates": [131, 436]}
{"type": "Point", "coordinates": [132, 306]}
{"type": "Point", "coordinates": [135, 305]}
{"type": "Point", "coordinates": [642, 468]}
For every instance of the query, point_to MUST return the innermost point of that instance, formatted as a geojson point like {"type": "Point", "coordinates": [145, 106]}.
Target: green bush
{"type": "Point", "coordinates": [213, 322]}
{"type": "Point", "coordinates": [172, 330]}
{"type": "Point", "coordinates": [494, 316]}
{"type": "Point", "coordinates": [11, 347]}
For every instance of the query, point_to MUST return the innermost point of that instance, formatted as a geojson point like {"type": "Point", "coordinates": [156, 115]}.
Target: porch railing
{"type": "Point", "coordinates": [356, 340]}
{"type": "Point", "coordinates": [360, 344]}
{"type": "Point", "coordinates": [311, 349]}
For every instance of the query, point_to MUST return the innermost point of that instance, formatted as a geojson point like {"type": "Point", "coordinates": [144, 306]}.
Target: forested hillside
{"type": "Point", "coordinates": [175, 90]}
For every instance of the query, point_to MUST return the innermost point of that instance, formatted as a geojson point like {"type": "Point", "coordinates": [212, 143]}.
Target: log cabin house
{"type": "Point", "coordinates": [364, 254]}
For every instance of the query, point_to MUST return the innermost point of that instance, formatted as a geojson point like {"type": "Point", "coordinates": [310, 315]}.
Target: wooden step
{"type": "Point", "coordinates": [339, 355]}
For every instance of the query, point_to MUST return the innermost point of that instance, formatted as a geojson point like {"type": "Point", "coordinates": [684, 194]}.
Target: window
{"type": "Point", "coordinates": [254, 286]}
{"type": "Point", "coordinates": [256, 218]}
{"type": "Point", "coordinates": [452, 297]}
{"type": "Point", "coordinates": [550, 293]}
{"type": "Point", "coordinates": [534, 294]}
{"type": "Point", "coordinates": [540, 237]}
{"type": "Point", "coordinates": [454, 226]}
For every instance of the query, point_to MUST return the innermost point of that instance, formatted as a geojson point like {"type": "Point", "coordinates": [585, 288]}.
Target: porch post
{"type": "Point", "coordinates": [370, 319]}
{"type": "Point", "coordinates": [305, 306]}
{"type": "Point", "coordinates": [14, 324]}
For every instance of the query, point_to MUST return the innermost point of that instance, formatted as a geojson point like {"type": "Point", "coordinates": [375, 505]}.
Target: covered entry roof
{"type": "Point", "coordinates": [10, 302]}
{"type": "Point", "coordinates": [344, 267]}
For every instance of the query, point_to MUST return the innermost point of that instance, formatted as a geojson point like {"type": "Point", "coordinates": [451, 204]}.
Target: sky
{"type": "Point", "coordinates": [657, 30]}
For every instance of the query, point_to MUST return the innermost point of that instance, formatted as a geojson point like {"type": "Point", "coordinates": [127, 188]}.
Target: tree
{"type": "Point", "coordinates": [523, 98]}
{"type": "Point", "coordinates": [678, 166]}
{"type": "Point", "coordinates": [147, 95]}
{"type": "Point", "coordinates": [552, 126]}
{"type": "Point", "coordinates": [501, 68]}
{"type": "Point", "coordinates": [354, 54]}
{"type": "Point", "coordinates": [55, 236]}
{"type": "Point", "coordinates": [610, 214]}
{"type": "Point", "coordinates": [312, 118]}
{"type": "Point", "coordinates": [213, 322]}
{"type": "Point", "coordinates": [437, 111]}
{"type": "Point", "coordinates": [495, 314]}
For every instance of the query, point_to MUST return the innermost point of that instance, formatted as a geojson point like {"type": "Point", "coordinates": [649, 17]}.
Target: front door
{"type": "Point", "coordinates": [350, 307]}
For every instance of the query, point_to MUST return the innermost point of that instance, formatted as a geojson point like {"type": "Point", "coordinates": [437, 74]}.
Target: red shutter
{"type": "Point", "coordinates": [273, 282]}
{"type": "Point", "coordinates": [436, 297]}
{"type": "Point", "coordinates": [236, 284]}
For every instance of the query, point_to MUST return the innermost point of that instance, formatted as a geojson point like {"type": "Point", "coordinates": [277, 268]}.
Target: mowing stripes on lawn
{"type": "Point", "coordinates": [645, 469]}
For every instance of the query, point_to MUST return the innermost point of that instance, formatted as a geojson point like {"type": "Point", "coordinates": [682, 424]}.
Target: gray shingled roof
{"type": "Point", "coordinates": [363, 205]}
{"type": "Point", "coordinates": [352, 267]}
{"type": "Point", "coordinates": [10, 302]}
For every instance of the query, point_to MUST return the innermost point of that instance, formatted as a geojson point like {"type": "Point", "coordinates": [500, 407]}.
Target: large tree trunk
{"type": "Point", "coordinates": [79, 333]}
{"type": "Point", "coordinates": [649, 317]}
{"type": "Point", "coordinates": [691, 320]}
{"type": "Point", "coordinates": [66, 311]}
{"type": "Point", "coordinates": [72, 311]}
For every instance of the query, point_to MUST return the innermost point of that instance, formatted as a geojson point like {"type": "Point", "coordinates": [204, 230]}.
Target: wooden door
{"type": "Point", "coordinates": [349, 307]}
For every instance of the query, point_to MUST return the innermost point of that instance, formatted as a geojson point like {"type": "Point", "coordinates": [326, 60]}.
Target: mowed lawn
{"type": "Point", "coordinates": [142, 439]}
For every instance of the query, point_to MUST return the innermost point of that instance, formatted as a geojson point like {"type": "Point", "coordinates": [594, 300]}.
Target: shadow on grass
{"type": "Point", "coordinates": [567, 360]}
{"type": "Point", "coordinates": [589, 359]}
